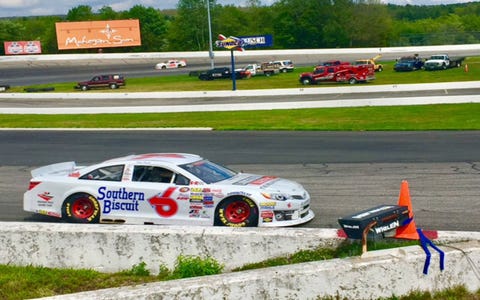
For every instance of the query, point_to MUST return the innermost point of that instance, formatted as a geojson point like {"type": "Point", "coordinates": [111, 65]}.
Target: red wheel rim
{"type": "Point", "coordinates": [237, 212]}
{"type": "Point", "coordinates": [83, 208]}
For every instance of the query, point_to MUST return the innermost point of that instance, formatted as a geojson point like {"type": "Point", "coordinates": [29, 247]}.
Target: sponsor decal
{"type": "Point", "coordinates": [49, 213]}
{"type": "Point", "coordinates": [164, 205]}
{"type": "Point", "coordinates": [120, 194]}
{"type": "Point", "coordinates": [45, 196]}
{"type": "Point", "coordinates": [263, 180]}
{"type": "Point", "coordinates": [267, 216]}
{"type": "Point", "coordinates": [75, 174]}
{"type": "Point", "coordinates": [240, 193]}
{"type": "Point", "coordinates": [268, 205]}
{"type": "Point", "coordinates": [119, 199]}
{"type": "Point", "coordinates": [388, 227]}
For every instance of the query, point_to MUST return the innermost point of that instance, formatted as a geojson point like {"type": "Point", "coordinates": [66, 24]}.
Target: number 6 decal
{"type": "Point", "coordinates": [164, 205]}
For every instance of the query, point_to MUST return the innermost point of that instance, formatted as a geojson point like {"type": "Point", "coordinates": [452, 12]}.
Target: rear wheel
{"type": "Point", "coordinates": [113, 86]}
{"type": "Point", "coordinates": [352, 81]}
{"type": "Point", "coordinates": [81, 208]}
{"type": "Point", "coordinates": [236, 212]}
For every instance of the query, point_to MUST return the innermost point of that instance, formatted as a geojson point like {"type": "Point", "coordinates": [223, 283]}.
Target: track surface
{"type": "Point", "coordinates": [344, 171]}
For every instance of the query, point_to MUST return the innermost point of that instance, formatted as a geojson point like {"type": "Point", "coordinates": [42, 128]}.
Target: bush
{"type": "Point", "coordinates": [193, 266]}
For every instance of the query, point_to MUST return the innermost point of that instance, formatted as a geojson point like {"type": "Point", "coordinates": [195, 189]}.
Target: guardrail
{"type": "Point", "coordinates": [395, 51]}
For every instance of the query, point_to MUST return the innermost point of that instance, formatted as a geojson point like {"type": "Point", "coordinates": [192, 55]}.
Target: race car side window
{"type": "Point", "coordinates": [108, 173]}
{"type": "Point", "coordinates": [152, 174]}
{"type": "Point", "coordinates": [181, 180]}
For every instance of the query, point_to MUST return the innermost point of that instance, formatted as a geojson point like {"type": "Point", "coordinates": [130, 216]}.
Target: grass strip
{"type": "Point", "coordinates": [388, 118]}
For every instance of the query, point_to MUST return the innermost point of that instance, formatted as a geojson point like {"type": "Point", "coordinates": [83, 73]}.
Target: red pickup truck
{"type": "Point", "coordinates": [112, 81]}
{"type": "Point", "coordinates": [339, 73]}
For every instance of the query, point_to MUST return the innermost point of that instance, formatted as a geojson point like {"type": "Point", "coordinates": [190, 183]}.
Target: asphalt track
{"type": "Point", "coordinates": [344, 171]}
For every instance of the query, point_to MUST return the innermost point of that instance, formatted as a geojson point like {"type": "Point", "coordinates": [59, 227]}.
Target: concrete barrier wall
{"type": "Point", "coordinates": [376, 274]}
{"type": "Point", "coordinates": [112, 248]}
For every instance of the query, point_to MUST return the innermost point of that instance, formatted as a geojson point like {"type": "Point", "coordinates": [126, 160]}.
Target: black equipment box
{"type": "Point", "coordinates": [377, 219]}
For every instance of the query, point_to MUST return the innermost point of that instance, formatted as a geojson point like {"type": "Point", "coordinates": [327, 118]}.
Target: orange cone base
{"type": "Point", "coordinates": [408, 232]}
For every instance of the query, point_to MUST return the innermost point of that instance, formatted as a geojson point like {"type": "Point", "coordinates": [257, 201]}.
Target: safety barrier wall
{"type": "Point", "coordinates": [395, 51]}
{"type": "Point", "coordinates": [376, 274]}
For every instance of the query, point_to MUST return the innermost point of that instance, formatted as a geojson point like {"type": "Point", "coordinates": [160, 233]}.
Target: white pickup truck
{"type": "Point", "coordinates": [266, 69]}
{"type": "Point", "coordinates": [442, 62]}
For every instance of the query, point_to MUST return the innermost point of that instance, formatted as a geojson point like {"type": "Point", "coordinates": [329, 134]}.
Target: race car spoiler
{"type": "Point", "coordinates": [63, 167]}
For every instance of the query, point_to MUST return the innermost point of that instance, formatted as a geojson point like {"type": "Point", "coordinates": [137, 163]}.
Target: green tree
{"type": "Point", "coordinates": [370, 25]}
{"type": "Point", "coordinates": [299, 24]}
{"type": "Point", "coordinates": [80, 13]}
{"type": "Point", "coordinates": [189, 29]}
{"type": "Point", "coordinates": [153, 27]}
{"type": "Point", "coordinates": [107, 13]}
{"type": "Point", "coordinates": [10, 31]}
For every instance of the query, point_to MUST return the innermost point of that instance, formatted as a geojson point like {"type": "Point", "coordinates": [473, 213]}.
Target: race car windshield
{"type": "Point", "coordinates": [209, 172]}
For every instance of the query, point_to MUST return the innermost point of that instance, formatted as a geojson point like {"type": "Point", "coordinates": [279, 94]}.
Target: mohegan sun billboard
{"type": "Point", "coordinates": [98, 34]}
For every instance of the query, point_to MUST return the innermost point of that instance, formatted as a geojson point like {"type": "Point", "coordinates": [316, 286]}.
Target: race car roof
{"type": "Point", "coordinates": [173, 158]}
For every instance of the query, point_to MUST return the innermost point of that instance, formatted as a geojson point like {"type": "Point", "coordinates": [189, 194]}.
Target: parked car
{"type": "Point", "coordinates": [285, 65]}
{"type": "Point", "coordinates": [165, 188]}
{"type": "Point", "coordinates": [171, 64]}
{"type": "Point", "coordinates": [408, 63]}
{"type": "Point", "coordinates": [112, 81]}
{"type": "Point", "coordinates": [223, 73]}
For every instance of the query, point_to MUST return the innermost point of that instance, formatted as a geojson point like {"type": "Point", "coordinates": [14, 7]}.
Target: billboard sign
{"type": "Point", "coordinates": [98, 34]}
{"type": "Point", "coordinates": [22, 47]}
{"type": "Point", "coordinates": [257, 41]}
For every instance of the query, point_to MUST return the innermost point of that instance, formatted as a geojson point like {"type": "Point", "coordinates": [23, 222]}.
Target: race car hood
{"type": "Point", "coordinates": [270, 183]}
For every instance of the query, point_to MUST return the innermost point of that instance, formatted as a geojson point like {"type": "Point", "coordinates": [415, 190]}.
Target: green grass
{"type": "Point", "coordinates": [421, 117]}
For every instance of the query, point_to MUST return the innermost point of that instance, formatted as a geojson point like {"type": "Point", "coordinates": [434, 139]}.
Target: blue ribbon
{"type": "Point", "coordinates": [424, 242]}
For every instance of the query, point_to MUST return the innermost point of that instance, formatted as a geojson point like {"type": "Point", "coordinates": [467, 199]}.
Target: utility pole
{"type": "Point", "coordinates": [210, 43]}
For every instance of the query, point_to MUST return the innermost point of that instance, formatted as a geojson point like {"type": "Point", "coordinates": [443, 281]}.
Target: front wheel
{"type": "Point", "coordinates": [352, 81]}
{"type": "Point", "coordinates": [306, 81]}
{"type": "Point", "coordinates": [113, 86]}
{"type": "Point", "coordinates": [81, 208]}
{"type": "Point", "coordinates": [236, 212]}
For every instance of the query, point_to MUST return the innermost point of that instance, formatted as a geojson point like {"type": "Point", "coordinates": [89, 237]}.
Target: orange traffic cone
{"type": "Point", "coordinates": [408, 231]}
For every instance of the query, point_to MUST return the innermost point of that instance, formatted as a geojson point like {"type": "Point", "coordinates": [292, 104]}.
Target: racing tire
{"type": "Point", "coordinates": [113, 86]}
{"type": "Point", "coordinates": [84, 87]}
{"type": "Point", "coordinates": [81, 208]}
{"type": "Point", "coordinates": [236, 212]}
{"type": "Point", "coordinates": [352, 81]}
{"type": "Point", "coordinates": [380, 69]}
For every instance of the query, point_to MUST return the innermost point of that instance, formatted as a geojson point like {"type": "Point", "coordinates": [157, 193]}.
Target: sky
{"type": "Point", "coordinates": [15, 8]}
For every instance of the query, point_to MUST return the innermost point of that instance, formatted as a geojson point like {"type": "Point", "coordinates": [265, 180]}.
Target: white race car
{"type": "Point", "coordinates": [165, 188]}
{"type": "Point", "coordinates": [171, 64]}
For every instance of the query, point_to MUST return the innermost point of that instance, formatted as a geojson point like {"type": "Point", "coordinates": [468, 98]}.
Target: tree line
{"type": "Point", "coordinates": [294, 24]}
